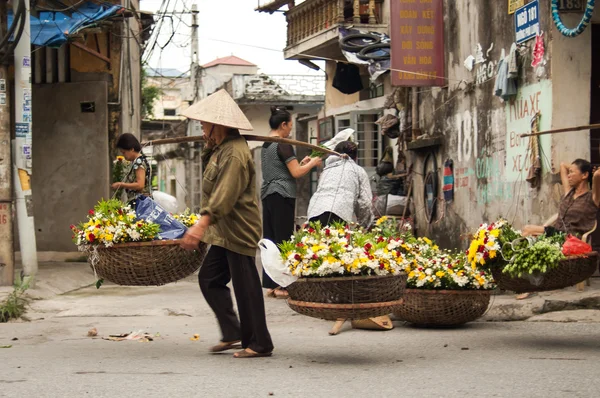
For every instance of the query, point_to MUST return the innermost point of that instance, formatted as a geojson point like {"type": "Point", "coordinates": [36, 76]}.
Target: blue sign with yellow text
{"type": "Point", "coordinates": [527, 22]}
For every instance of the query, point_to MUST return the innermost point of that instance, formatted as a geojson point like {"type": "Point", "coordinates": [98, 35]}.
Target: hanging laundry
{"type": "Point", "coordinates": [513, 64]}
{"type": "Point", "coordinates": [448, 181]}
{"type": "Point", "coordinates": [535, 171]}
{"type": "Point", "coordinates": [505, 87]}
{"type": "Point", "coordinates": [538, 50]}
{"type": "Point", "coordinates": [347, 78]}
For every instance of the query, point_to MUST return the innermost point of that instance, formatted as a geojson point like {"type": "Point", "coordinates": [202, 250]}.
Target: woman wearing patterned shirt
{"type": "Point", "coordinates": [280, 169]}
{"type": "Point", "coordinates": [343, 192]}
{"type": "Point", "coordinates": [137, 179]}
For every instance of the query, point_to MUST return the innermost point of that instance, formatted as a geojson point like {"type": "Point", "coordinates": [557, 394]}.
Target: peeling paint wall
{"type": "Point", "coordinates": [481, 132]}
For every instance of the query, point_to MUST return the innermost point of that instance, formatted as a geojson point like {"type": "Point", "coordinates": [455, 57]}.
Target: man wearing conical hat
{"type": "Point", "coordinates": [231, 224]}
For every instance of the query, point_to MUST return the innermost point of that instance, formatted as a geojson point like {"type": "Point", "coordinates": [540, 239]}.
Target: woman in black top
{"type": "Point", "coordinates": [280, 169]}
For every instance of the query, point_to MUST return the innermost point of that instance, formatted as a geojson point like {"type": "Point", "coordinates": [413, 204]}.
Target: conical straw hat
{"type": "Point", "coordinates": [219, 108]}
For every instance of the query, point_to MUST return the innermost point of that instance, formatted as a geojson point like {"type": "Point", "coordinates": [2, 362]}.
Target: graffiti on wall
{"type": "Point", "coordinates": [519, 114]}
{"type": "Point", "coordinates": [468, 133]}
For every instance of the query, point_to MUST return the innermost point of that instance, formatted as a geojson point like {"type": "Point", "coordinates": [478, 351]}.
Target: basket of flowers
{"type": "Point", "coordinates": [344, 271]}
{"type": "Point", "coordinates": [529, 264]}
{"type": "Point", "coordinates": [443, 289]}
{"type": "Point", "coordinates": [127, 250]}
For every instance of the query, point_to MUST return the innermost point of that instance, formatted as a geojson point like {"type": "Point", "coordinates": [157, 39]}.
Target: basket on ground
{"type": "Point", "coordinates": [443, 307]}
{"type": "Point", "coordinates": [355, 297]}
{"type": "Point", "coordinates": [152, 263]}
{"type": "Point", "coordinates": [571, 271]}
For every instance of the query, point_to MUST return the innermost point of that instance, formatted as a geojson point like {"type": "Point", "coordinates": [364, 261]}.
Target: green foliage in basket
{"type": "Point", "coordinates": [527, 256]}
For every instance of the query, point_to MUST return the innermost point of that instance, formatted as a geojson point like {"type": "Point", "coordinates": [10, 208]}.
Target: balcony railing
{"type": "Point", "coordinates": [313, 16]}
{"type": "Point", "coordinates": [271, 87]}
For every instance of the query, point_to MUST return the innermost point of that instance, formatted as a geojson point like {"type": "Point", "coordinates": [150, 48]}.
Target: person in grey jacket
{"type": "Point", "coordinates": [343, 191]}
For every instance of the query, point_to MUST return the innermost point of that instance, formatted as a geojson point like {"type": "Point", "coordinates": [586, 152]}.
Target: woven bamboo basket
{"type": "Point", "coordinates": [569, 272]}
{"type": "Point", "coordinates": [443, 307]}
{"type": "Point", "coordinates": [152, 263]}
{"type": "Point", "coordinates": [356, 297]}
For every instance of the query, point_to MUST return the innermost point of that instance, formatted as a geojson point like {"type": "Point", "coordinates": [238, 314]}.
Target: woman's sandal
{"type": "Point", "coordinates": [224, 346]}
{"type": "Point", "coordinates": [524, 296]}
{"type": "Point", "coordinates": [281, 293]}
{"type": "Point", "coordinates": [251, 354]}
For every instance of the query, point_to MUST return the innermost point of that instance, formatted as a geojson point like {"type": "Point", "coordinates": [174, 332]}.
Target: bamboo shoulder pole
{"type": "Point", "coordinates": [564, 130]}
{"type": "Point", "coordinates": [248, 137]}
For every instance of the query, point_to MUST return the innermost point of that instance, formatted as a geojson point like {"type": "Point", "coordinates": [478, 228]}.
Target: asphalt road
{"type": "Point", "coordinates": [53, 357]}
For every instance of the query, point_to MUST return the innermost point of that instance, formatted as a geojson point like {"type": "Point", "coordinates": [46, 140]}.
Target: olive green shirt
{"type": "Point", "coordinates": [229, 197]}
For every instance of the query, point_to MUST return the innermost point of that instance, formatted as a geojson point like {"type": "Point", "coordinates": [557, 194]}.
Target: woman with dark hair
{"type": "Point", "coordinates": [344, 190]}
{"type": "Point", "coordinates": [137, 179]}
{"type": "Point", "coordinates": [280, 169]}
{"type": "Point", "coordinates": [579, 205]}
{"type": "Point", "coordinates": [230, 223]}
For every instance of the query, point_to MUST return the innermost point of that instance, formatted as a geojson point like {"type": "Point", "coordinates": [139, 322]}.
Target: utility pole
{"type": "Point", "coordinates": [22, 145]}
{"type": "Point", "coordinates": [195, 68]}
{"type": "Point", "coordinates": [7, 256]}
{"type": "Point", "coordinates": [194, 168]}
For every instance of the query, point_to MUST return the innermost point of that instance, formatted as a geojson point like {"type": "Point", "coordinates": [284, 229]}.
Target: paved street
{"type": "Point", "coordinates": [53, 357]}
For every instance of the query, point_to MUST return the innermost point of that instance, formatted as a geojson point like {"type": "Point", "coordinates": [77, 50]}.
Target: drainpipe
{"type": "Point", "coordinates": [415, 113]}
{"type": "Point", "coordinates": [22, 153]}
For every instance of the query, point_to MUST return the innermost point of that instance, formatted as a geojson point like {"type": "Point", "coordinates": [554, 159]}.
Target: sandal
{"type": "Point", "coordinates": [271, 293]}
{"type": "Point", "coordinates": [251, 354]}
{"type": "Point", "coordinates": [524, 296]}
{"type": "Point", "coordinates": [281, 293]}
{"type": "Point", "coordinates": [224, 346]}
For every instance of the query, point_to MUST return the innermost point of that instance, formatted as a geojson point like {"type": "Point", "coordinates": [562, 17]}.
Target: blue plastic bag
{"type": "Point", "coordinates": [150, 211]}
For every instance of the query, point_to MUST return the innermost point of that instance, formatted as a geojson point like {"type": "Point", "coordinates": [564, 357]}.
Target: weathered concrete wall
{"type": "Point", "coordinates": [70, 158]}
{"type": "Point", "coordinates": [480, 131]}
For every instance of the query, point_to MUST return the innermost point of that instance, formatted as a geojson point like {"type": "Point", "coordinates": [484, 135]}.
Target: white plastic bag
{"type": "Point", "coordinates": [274, 265]}
{"type": "Point", "coordinates": [166, 201]}
{"type": "Point", "coordinates": [343, 135]}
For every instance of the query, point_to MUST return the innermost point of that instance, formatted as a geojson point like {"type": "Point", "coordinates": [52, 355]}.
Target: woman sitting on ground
{"type": "Point", "coordinates": [579, 205]}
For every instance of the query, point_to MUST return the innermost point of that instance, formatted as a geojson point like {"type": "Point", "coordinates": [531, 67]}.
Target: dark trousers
{"type": "Point", "coordinates": [327, 218]}
{"type": "Point", "coordinates": [221, 266]}
{"type": "Point", "coordinates": [278, 224]}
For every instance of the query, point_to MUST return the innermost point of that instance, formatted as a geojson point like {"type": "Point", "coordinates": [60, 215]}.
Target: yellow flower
{"type": "Point", "coordinates": [422, 276]}
{"type": "Point", "coordinates": [492, 253]}
{"type": "Point", "coordinates": [482, 261]}
{"type": "Point", "coordinates": [435, 247]}
{"type": "Point", "coordinates": [121, 158]}
{"type": "Point", "coordinates": [411, 274]}
{"type": "Point", "coordinates": [440, 274]}
{"type": "Point", "coordinates": [495, 233]}
{"type": "Point", "coordinates": [427, 240]}
{"type": "Point", "coordinates": [482, 234]}
{"type": "Point", "coordinates": [381, 220]}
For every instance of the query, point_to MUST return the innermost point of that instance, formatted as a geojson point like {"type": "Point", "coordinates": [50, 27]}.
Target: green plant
{"type": "Point", "coordinates": [149, 95]}
{"type": "Point", "coordinates": [15, 304]}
